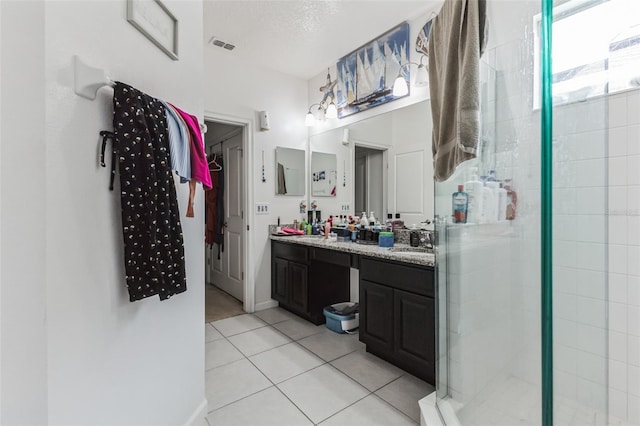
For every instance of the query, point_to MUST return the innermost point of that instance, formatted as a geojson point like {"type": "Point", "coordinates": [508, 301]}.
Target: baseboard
{"type": "Point", "coordinates": [266, 305]}
{"type": "Point", "coordinates": [198, 417]}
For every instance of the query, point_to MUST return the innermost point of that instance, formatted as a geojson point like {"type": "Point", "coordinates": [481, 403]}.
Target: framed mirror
{"type": "Point", "coordinates": [324, 174]}
{"type": "Point", "coordinates": [290, 171]}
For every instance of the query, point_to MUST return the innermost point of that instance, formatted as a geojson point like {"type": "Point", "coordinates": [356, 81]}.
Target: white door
{"type": "Point", "coordinates": [228, 272]}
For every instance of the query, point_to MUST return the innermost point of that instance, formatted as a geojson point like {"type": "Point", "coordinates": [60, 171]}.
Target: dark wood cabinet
{"type": "Point", "coordinates": [397, 315]}
{"type": "Point", "coordinates": [280, 280]}
{"type": "Point", "coordinates": [414, 330]}
{"type": "Point", "coordinates": [298, 283]}
{"type": "Point", "coordinates": [376, 305]}
{"type": "Point", "coordinates": [305, 280]}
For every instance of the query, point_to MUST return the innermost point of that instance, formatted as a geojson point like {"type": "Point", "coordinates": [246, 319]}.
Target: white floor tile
{"type": "Point", "coordinates": [258, 340]}
{"type": "Point", "coordinates": [370, 411]}
{"type": "Point", "coordinates": [267, 407]}
{"type": "Point", "coordinates": [274, 315]}
{"type": "Point", "coordinates": [233, 382]}
{"type": "Point", "coordinates": [368, 370]}
{"type": "Point", "coordinates": [238, 324]}
{"type": "Point", "coordinates": [404, 394]}
{"type": "Point", "coordinates": [286, 361]}
{"type": "Point", "coordinates": [322, 392]}
{"type": "Point", "coordinates": [211, 334]}
{"type": "Point", "coordinates": [297, 328]}
{"type": "Point", "coordinates": [329, 345]}
{"type": "Point", "coordinates": [220, 352]}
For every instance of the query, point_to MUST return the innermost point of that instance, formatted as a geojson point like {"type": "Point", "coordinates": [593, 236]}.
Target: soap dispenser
{"type": "Point", "coordinates": [363, 219]}
{"type": "Point", "coordinates": [372, 219]}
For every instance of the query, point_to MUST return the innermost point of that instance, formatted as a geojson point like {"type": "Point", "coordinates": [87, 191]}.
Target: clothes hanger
{"type": "Point", "coordinates": [216, 167]}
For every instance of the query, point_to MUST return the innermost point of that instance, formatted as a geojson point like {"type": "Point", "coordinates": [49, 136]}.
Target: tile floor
{"type": "Point", "coordinates": [274, 368]}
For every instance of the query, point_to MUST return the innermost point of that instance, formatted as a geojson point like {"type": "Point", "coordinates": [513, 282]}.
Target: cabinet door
{"type": "Point", "coordinates": [376, 316]}
{"type": "Point", "coordinates": [279, 278]}
{"type": "Point", "coordinates": [298, 287]}
{"type": "Point", "coordinates": [414, 331]}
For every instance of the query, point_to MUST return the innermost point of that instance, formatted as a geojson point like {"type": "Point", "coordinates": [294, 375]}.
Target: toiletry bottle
{"type": "Point", "coordinates": [512, 200]}
{"type": "Point", "coordinates": [303, 224]}
{"type": "Point", "coordinates": [372, 219]}
{"type": "Point", "coordinates": [460, 205]}
{"type": "Point", "coordinates": [492, 211]}
{"type": "Point", "coordinates": [327, 229]}
{"type": "Point", "coordinates": [473, 187]}
{"type": "Point", "coordinates": [502, 202]}
{"type": "Point", "coordinates": [487, 204]}
{"type": "Point", "coordinates": [363, 219]}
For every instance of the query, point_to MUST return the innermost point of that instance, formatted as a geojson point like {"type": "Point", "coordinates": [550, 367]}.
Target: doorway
{"type": "Point", "coordinates": [369, 181]}
{"type": "Point", "coordinates": [225, 256]}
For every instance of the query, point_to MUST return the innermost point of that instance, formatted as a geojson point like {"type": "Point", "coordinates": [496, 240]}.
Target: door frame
{"type": "Point", "coordinates": [248, 219]}
{"type": "Point", "coordinates": [385, 175]}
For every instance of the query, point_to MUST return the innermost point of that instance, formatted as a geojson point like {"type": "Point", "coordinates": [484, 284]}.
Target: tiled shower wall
{"type": "Point", "coordinates": [624, 255]}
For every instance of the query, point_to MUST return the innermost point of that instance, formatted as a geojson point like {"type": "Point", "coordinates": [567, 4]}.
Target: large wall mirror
{"type": "Point", "coordinates": [384, 167]}
{"type": "Point", "coordinates": [324, 174]}
{"type": "Point", "coordinates": [290, 171]}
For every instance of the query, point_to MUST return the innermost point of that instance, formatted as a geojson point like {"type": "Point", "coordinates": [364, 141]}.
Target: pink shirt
{"type": "Point", "coordinates": [199, 165]}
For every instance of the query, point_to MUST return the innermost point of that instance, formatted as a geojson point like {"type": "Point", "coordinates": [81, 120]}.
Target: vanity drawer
{"type": "Point", "coordinates": [330, 256]}
{"type": "Point", "coordinates": [292, 252]}
{"type": "Point", "coordinates": [408, 278]}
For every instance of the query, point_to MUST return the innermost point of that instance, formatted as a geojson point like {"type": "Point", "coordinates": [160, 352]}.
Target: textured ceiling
{"type": "Point", "coordinates": [302, 37]}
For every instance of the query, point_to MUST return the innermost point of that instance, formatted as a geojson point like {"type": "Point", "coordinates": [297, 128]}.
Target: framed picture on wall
{"type": "Point", "coordinates": [154, 20]}
{"type": "Point", "coordinates": [366, 75]}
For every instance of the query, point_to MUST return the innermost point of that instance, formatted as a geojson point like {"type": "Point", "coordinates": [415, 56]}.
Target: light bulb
{"type": "Point", "coordinates": [400, 87]}
{"type": "Point", "coordinates": [422, 76]}
{"type": "Point", "coordinates": [309, 120]}
{"type": "Point", "coordinates": [332, 111]}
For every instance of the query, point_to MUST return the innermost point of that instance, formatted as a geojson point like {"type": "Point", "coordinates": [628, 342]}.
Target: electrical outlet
{"type": "Point", "coordinates": [345, 207]}
{"type": "Point", "coordinates": [262, 208]}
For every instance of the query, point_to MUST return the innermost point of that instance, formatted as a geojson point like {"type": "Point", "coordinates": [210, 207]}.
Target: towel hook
{"type": "Point", "coordinates": [88, 79]}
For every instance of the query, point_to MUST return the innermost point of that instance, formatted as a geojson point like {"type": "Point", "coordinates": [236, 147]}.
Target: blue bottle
{"type": "Point", "coordinates": [460, 205]}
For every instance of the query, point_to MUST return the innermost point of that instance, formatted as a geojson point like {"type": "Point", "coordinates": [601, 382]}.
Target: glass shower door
{"type": "Point", "coordinates": [522, 303]}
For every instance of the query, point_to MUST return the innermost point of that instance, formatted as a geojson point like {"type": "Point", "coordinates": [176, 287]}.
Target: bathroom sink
{"type": "Point", "coordinates": [416, 251]}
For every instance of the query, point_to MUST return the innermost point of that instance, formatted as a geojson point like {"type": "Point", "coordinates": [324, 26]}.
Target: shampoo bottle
{"type": "Point", "coordinates": [473, 188]}
{"type": "Point", "coordinates": [460, 205]}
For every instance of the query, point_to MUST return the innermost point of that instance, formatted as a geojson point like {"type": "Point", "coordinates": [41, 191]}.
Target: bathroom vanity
{"type": "Point", "coordinates": [396, 291]}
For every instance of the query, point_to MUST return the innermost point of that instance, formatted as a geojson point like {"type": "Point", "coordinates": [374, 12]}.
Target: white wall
{"type": "Point", "coordinates": [23, 282]}
{"type": "Point", "coordinates": [237, 90]}
{"type": "Point", "coordinates": [74, 349]}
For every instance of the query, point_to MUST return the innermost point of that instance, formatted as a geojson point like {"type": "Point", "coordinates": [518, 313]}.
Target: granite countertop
{"type": "Point", "coordinates": [413, 257]}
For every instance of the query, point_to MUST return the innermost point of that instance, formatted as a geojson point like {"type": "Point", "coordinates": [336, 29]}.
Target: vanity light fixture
{"type": "Point", "coordinates": [327, 107]}
{"type": "Point", "coordinates": [400, 86]}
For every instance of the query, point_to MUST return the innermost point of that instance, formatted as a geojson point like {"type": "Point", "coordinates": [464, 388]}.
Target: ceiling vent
{"type": "Point", "coordinates": [220, 43]}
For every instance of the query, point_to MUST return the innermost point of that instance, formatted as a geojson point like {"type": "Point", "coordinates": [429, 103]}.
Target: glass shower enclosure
{"type": "Point", "coordinates": [523, 302]}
